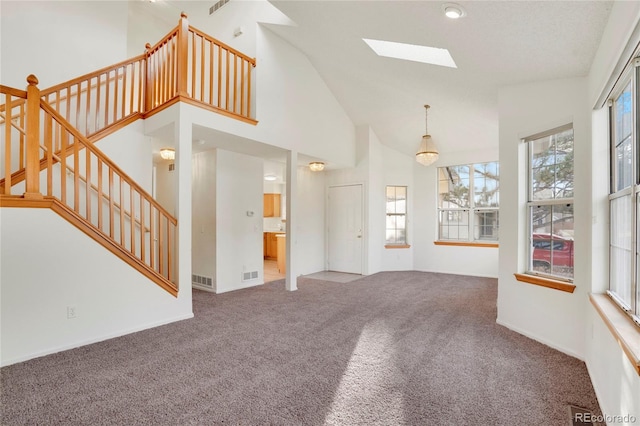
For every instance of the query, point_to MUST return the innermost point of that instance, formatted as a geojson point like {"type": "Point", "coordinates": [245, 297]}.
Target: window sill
{"type": "Point", "coordinates": [397, 246]}
{"type": "Point", "coordinates": [465, 244]}
{"type": "Point", "coordinates": [626, 333]}
{"type": "Point", "coordinates": [546, 282]}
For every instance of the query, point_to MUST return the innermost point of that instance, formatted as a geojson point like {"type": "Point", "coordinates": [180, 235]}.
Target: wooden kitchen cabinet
{"type": "Point", "coordinates": [270, 245]}
{"type": "Point", "coordinates": [271, 205]}
{"type": "Point", "coordinates": [282, 253]}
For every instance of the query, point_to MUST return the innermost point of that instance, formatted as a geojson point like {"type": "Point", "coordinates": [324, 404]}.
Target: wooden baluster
{"type": "Point", "coordinates": [202, 46]}
{"type": "Point", "coordinates": [242, 61]}
{"type": "Point", "coordinates": [87, 120]}
{"type": "Point", "coordinates": [211, 73]}
{"type": "Point", "coordinates": [183, 54]}
{"type": "Point", "coordinates": [97, 121]}
{"type": "Point", "coordinates": [115, 97]}
{"type": "Point", "coordinates": [88, 184]}
{"type": "Point", "coordinates": [219, 77]}
{"type": "Point", "coordinates": [48, 144]}
{"type": "Point", "coordinates": [100, 207]}
{"type": "Point", "coordinates": [148, 100]}
{"type": "Point", "coordinates": [226, 103]}
{"type": "Point", "coordinates": [132, 217]}
{"type": "Point", "coordinates": [152, 235]}
{"type": "Point", "coordinates": [121, 212]}
{"type": "Point", "coordinates": [192, 36]}
{"type": "Point", "coordinates": [32, 171]}
{"type": "Point", "coordinates": [63, 163]}
{"type": "Point", "coordinates": [22, 136]}
{"type": "Point", "coordinates": [249, 71]}
{"type": "Point", "coordinates": [7, 146]}
{"type": "Point", "coordinates": [124, 91]}
{"type": "Point", "coordinates": [142, 229]}
{"type": "Point", "coordinates": [235, 81]}
{"type": "Point", "coordinates": [107, 83]}
{"type": "Point", "coordinates": [141, 82]}
{"type": "Point", "coordinates": [173, 64]}
{"type": "Point", "coordinates": [68, 103]}
{"type": "Point", "coordinates": [76, 175]}
{"type": "Point", "coordinates": [78, 95]}
{"type": "Point", "coordinates": [169, 249]}
{"type": "Point", "coordinates": [161, 247]}
{"type": "Point", "coordinates": [111, 202]}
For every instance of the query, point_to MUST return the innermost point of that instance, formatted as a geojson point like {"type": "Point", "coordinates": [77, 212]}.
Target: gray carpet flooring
{"type": "Point", "coordinates": [394, 348]}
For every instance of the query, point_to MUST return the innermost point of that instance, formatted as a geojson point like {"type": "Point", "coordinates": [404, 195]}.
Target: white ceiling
{"type": "Point", "coordinates": [498, 43]}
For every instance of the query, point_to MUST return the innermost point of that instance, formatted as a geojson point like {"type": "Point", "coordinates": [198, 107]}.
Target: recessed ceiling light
{"type": "Point", "coordinates": [453, 11]}
{"type": "Point", "coordinates": [412, 52]}
{"type": "Point", "coordinates": [270, 177]}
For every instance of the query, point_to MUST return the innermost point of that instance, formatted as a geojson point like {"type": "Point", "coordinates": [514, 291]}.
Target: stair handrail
{"type": "Point", "coordinates": [122, 88]}
{"type": "Point", "coordinates": [162, 225]}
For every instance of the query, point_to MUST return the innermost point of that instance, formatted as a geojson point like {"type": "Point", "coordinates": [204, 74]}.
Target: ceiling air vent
{"type": "Point", "coordinates": [217, 6]}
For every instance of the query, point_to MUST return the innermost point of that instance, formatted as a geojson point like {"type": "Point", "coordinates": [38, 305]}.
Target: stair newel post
{"type": "Point", "coordinates": [32, 169]}
{"type": "Point", "coordinates": [149, 79]}
{"type": "Point", "coordinates": [183, 54]}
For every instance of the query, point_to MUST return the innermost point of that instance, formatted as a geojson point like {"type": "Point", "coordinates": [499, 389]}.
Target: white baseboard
{"type": "Point", "coordinates": [38, 354]}
{"type": "Point", "coordinates": [541, 340]}
{"type": "Point", "coordinates": [457, 273]}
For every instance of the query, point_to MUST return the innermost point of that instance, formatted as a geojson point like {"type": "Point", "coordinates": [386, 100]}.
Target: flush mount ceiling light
{"type": "Point", "coordinates": [316, 166]}
{"type": "Point", "coordinates": [412, 52]}
{"type": "Point", "coordinates": [453, 11]}
{"type": "Point", "coordinates": [168, 153]}
{"type": "Point", "coordinates": [270, 177]}
{"type": "Point", "coordinates": [427, 154]}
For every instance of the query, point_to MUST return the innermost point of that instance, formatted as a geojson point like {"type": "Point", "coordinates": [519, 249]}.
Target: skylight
{"type": "Point", "coordinates": [412, 52]}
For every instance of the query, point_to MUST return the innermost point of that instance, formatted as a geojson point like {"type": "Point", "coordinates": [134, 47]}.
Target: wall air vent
{"type": "Point", "coordinates": [172, 167]}
{"type": "Point", "coordinates": [202, 281]}
{"type": "Point", "coordinates": [217, 6]}
{"type": "Point", "coordinates": [247, 276]}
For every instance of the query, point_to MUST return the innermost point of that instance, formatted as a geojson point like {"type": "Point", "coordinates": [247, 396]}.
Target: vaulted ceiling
{"type": "Point", "coordinates": [497, 43]}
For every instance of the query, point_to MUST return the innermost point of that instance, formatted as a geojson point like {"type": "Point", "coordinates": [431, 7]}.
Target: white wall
{"type": "Point", "coordinates": [131, 150]}
{"type": "Point", "coordinates": [110, 297]}
{"type": "Point", "coordinates": [616, 383]}
{"type": "Point", "coordinates": [60, 40]}
{"type": "Point", "coordinates": [203, 252]}
{"type": "Point", "coordinates": [310, 225]}
{"type": "Point", "coordinates": [550, 316]}
{"type": "Point", "coordinates": [239, 238]}
{"type": "Point", "coordinates": [478, 261]}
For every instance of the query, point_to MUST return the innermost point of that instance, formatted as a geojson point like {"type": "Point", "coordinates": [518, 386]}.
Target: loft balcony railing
{"type": "Point", "coordinates": [186, 65]}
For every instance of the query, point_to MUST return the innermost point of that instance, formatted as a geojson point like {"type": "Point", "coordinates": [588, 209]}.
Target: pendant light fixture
{"type": "Point", "coordinates": [427, 154]}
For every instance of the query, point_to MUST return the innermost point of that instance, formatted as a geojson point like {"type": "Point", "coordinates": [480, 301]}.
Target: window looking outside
{"type": "Point", "coordinates": [396, 223]}
{"type": "Point", "coordinates": [624, 198]}
{"type": "Point", "coordinates": [468, 200]}
{"type": "Point", "coordinates": [551, 203]}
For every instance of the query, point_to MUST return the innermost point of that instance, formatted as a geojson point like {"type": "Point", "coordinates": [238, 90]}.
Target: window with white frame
{"type": "Point", "coordinates": [396, 223]}
{"type": "Point", "coordinates": [624, 198]}
{"type": "Point", "coordinates": [468, 201]}
{"type": "Point", "coordinates": [550, 203]}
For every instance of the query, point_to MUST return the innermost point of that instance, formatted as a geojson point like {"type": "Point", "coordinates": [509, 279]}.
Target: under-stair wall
{"type": "Point", "coordinates": [77, 294]}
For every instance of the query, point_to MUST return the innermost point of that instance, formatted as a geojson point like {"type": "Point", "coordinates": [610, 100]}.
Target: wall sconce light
{"type": "Point", "coordinates": [316, 166]}
{"type": "Point", "coordinates": [168, 153]}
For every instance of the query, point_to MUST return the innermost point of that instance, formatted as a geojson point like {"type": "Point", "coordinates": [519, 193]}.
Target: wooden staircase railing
{"type": "Point", "coordinates": [85, 186]}
{"type": "Point", "coordinates": [103, 101]}
{"type": "Point", "coordinates": [49, 136]}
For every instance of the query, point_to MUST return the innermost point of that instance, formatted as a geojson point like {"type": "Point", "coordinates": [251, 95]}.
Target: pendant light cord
{"type": "Point", "coordinates": [426, 119]}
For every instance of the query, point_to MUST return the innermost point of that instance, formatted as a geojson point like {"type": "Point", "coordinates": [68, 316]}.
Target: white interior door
{"type": "Point", "coordinates": [345, 229]}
